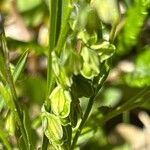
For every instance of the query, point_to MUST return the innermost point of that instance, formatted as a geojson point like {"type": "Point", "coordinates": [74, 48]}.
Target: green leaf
{"type": "Point", "coordinates": [26, 5]}
{"type": "Point", "coordinates": [6, 95]}
{"type": "Point", "coordinates": [141, 75]}
{"type": "Point", "coordinates": [132, 29]}
{"type": "Point", "coordinates": [107, 10]}
{"type": "Point", "coordinates": [4, 138]}
{"type": "Point", "coordinates": [53, 131]}
{"type": "Point", "coordinates": [10, 124]}
{"type": "Point", "coordinates": [74, 63]}
{"type": "Point", "coordinates": [60, 102]}
{"type": "Point", "coordinates": [20, 66]}
{"type": "Point", "coordinates": [82, 87]}
{"type": "Point", "coordinates": [31, 135]}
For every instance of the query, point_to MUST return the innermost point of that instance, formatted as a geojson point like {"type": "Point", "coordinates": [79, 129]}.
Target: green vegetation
{"type": "Point", "coordinates": [71, 71]}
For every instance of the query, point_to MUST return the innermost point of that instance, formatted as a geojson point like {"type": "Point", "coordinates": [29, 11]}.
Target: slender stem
{"type": "Point", "coordinates": [126, 116]}
{"type": "Point", "coordinates": [67, 9]}
{"type": "Point", "coordinates": [113, 32]}
{"type": "Point", "coordinates": [130, 104]}
{"type": "Point", "coordinates": [54, 5]}
{"type": "Point", "coordinates": [10, 82]}
{"type": "Point", "coordinates": [52, 43]}
{"type": "Point", "coordinates": [53, 9]}
{"type": "Point", "coordinates": [88, 110]}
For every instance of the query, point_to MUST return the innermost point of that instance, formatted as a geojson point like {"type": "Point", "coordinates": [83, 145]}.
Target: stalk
{"type": "Point", "coordinates": [67, 9]}
{"type": "Point", "coordinates": [10, 82]}
{"type": "Point", "coordinates": [130, 104]}
{"type": "Point", "coordinates": [53, 33]}
{"type": "Point", "coordinates": [53, 9]}
{"type": "Point", "coordinates": [88, 110]}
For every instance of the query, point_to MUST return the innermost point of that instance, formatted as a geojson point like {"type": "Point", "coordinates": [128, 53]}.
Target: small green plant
{"type": "Point", "coordinates": [84, 37]}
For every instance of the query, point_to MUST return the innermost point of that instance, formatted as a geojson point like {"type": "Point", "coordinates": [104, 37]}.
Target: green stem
{"type": "Point", "coordinates": [126, 116]}
{"type": "Point", "coordinates": [67, 9]}
{"type": "Point", "coordinates": [130, 104]}
{"type": "Point", "coordinates": [88, 110]}
{"type": "Point", "coordinates": [10, 82]}
{"type": "Point", "coordinates": [54, 5]}
{"type": "Point", "coordinates": [53, 9]}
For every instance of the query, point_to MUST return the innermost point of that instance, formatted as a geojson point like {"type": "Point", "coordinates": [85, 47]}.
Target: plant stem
{"type": "Point", "coordinates": [88, 110]}
{"type": "Point", "coordinates": [130, 104]}
{"type": "Point", "coordinates": [53, 9]}
{"type": "Point", "coordinates": [67, 9]}
{"type": "Point", "coordinates": [54, 5]}
{"type": "Point", "coordinates": [10, 82]}
{"type": "Point", "coordinates": [52, 43]}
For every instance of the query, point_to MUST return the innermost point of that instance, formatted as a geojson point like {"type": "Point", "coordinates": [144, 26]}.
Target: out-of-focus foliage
{"type": "Point", "coordinates": [141, 75]}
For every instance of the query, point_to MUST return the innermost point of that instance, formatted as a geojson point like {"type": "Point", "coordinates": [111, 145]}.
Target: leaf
{"type": "Point", "coordinates": [141, 75]}
{"type": "Point", "coordinates": [31, 135]}
{"type": "Point", "coordinates": [132, 29]}
{"type": "Point", "coordinates": [107, 10]}
{"type": "Point", "coordinates": [20, 66]}
{"type": "Point", "coordinates": [27, 4]}
{"type": "Point", "coordinates": [82, 87]}
{"type": "Point", "coordinates": [4, 138]}
{"type": "Point", "coordinates": [10, 124]}
{"type": "Point", "coordinates": [6, 95]}
{"type": "Point", "coordinates": [53, 131]}
{"type": "Point", "coordinates": [74, 63]}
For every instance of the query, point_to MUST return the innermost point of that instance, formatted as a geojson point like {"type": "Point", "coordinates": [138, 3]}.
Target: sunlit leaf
{"type": "Point", "coordinates": [107, 10]}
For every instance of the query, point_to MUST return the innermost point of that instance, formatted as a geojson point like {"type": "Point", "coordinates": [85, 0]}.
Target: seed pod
{"type": "Point", "coordinates": [60, 102]}
{"type": "Point", "coordinates": [74, 63]}
{"type": "Point", "coordinates": [105, 50]}
{"type": "Point", "coordinates": [91, 63]}
{"type": "Point", "coordinates": [53, 131]}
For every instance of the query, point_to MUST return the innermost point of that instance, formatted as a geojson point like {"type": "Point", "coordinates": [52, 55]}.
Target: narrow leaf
{"type": "Point", "coordinates": [20, 65]}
